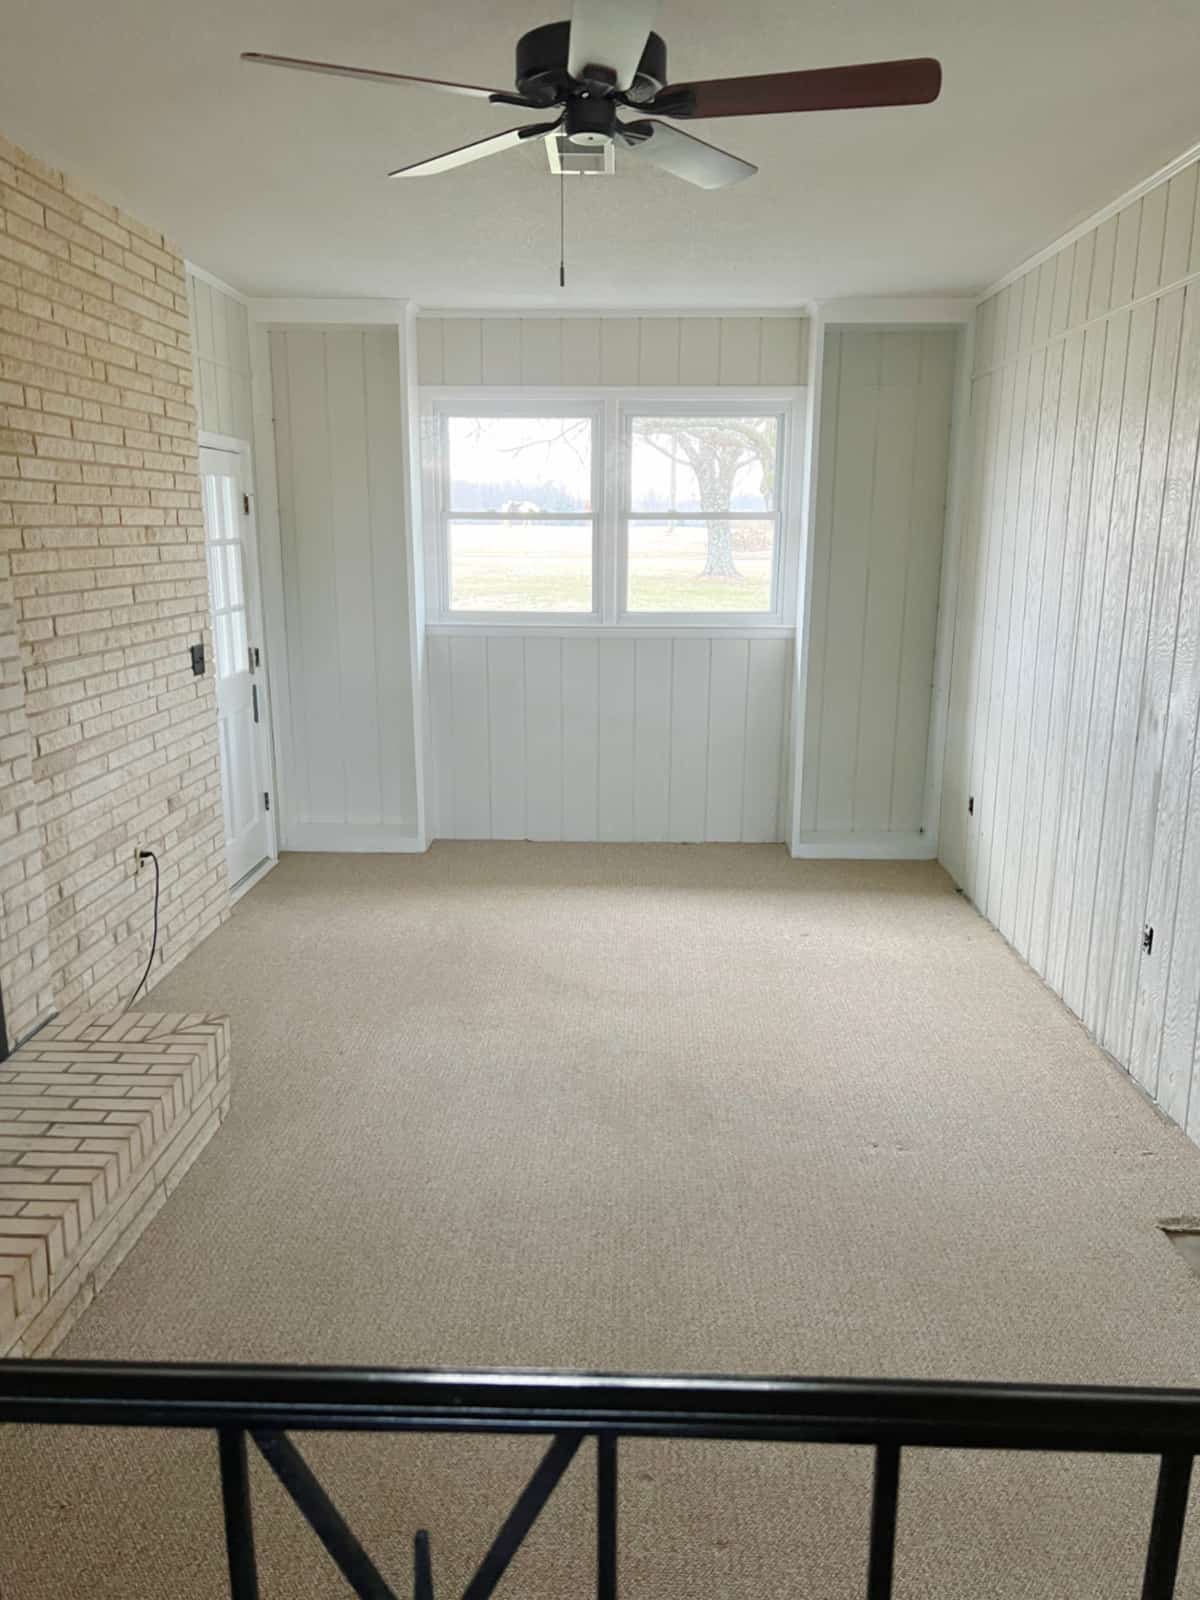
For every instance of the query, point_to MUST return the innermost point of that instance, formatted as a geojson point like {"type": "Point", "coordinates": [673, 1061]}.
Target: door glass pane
{"type": "Point", "coordinates": [718, 564]}
{"type": "Point", "coordinates": [517, 465]}
{"type": "Point", "coordinates": [237, 642]}
{"type": "Point", "coordinates": [516, 565]}
{"type": "Point", "coordinates": [231, 528]}
{"type": "Point", "coordinates": [233, 571]}
{"type": "Point", "coordinates": [212, 512]}
{"type": "Point", "coordinates": [216, 577]}
{"type": "Point", "coordinates": [707, 464]}
{"type": "Point", "coordinates": [223, 634]}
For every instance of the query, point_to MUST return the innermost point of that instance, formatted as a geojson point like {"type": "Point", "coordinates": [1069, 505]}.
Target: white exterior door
{"type": "Point", "coordinates": [237, 639]}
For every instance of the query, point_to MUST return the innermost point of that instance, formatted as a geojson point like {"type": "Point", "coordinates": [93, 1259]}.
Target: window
{"type": "Point", "coordinates": [608, 508]}
{"type": "Point", "coordinates": [519, 527]}
{"type": "Point", "coordinates": [702, 510]}
{"type": "Point", "coordinates": [223, 542]}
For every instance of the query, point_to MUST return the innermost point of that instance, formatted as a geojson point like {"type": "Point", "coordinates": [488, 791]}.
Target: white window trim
{"type": "Point", "coordinates": [610, 407]}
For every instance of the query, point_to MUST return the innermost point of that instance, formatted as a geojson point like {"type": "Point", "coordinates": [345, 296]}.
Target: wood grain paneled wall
{"type": "Point", "coordinates": [618, 351]}
{"type": "Point", "coordinates": [346, 740]}
{"type": "Point", "coordinates": [886, 400]}
{"type": "Point", "coordinates": [221, 335]}
{"type": "Point", "coordinates": [1071, 805]}
{"type": "Point", "coordinates": [542, 737]}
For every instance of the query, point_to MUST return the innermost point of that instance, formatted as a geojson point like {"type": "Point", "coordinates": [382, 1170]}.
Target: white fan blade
{"type": "Point", "coordinates": [683, 155]}
{"type": "Point", "coordinates": [612, 34]}
{"type": "Point", "coordinates": [474, 152]}
{"type": "Point", "coordinates": [366, 74]}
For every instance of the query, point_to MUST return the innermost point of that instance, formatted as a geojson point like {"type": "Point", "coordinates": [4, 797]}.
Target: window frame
{"type": "Point", "coordinates": [717, 406]}
{"type": "Point", "coordinates": [611, 411]}
{"type": "Point", "coordinates": [517, 403]}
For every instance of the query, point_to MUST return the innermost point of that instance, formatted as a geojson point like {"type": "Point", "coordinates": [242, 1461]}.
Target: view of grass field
{"type": "Point", "coordinates": [515, 566]}
{"type": "Point", "coordinates": [700, 525]}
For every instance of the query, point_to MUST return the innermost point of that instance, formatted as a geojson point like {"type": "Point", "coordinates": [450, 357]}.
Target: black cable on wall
{"type": "Point", "coordinates": [148, 855]}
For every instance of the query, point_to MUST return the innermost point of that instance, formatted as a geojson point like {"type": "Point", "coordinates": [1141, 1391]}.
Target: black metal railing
{"type": "Point", "coordinates": [265, 1404]}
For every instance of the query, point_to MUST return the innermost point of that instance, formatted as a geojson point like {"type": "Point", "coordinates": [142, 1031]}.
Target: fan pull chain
{"type": "Point", "coordinates": [562, 222]}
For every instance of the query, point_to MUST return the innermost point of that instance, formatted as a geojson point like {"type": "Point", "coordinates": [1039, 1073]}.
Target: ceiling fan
{"type": "Point", "coordinates": [606, 59]}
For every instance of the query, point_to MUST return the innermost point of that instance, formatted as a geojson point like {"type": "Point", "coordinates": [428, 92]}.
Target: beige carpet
{"type": "Point", "coordinates": [641, 1107]}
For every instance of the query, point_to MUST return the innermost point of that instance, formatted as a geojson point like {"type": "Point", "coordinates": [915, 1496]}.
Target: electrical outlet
{"type": "Point", "coordinates": [137, 858]}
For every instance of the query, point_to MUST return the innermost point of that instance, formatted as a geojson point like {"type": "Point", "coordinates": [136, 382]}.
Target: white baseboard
{"type": "Point", "coordinates": [244, 885]}
{"type": "Point", "coordinates": [380, 838]}
{"type": "Point", "coordinates": [864, 847]}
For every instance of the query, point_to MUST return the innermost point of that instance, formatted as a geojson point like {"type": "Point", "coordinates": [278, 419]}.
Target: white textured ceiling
{"type": "Point", "coordinates": [275, 182]}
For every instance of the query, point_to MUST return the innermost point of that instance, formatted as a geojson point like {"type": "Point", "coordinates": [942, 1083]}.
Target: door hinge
{"type": "Point", "coordinates": [254, 699]}
{"type": "Point", "coordinates": [245, 505]}
{"type": "Point", "coordinates": [266, 801]}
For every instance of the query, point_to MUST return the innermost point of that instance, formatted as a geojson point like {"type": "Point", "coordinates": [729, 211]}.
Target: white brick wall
{"type": "Point", "coordinates": [107, 741]}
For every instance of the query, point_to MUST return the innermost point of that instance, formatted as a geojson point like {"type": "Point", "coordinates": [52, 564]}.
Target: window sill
{"type": "Point", "coordinates": [688, 627]}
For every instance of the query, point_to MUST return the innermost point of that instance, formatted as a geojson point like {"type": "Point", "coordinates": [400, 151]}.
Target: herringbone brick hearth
{"type": "Point", "coordinates": [100, 1117]}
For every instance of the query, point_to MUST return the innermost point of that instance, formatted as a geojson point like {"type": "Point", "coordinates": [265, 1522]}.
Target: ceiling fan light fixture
{"type": "Point", "coordinates": [570, 159]}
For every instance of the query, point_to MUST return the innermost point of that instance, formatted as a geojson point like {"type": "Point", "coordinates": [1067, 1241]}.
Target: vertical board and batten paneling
{"type": "Point", "coordinates": [221, 356]}
{"type": "Point", "coordinates": [880, 512]}
{"type": "Point", "coordinates": [545, 737]}
{"type": "Point", "coordinates": [1071, 797]}
{"type": "Point", "coordinates": [347, 748]}
{"type": "Point", "coordinates": [727, 352]}
{"type": "Point", "coordinates": [541, 736]}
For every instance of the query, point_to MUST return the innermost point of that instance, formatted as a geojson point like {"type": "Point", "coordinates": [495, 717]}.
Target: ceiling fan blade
{"type": "Point", "coordinates": [475, 152]}
{"type": "Point", "coordinates": [683, 155]}
{"type": "Point", "coordinates": [609, 33]}
{"type": "Point", "coordinates": [872, 83]}
{"type": "Point", "coordinates": [370, 74]}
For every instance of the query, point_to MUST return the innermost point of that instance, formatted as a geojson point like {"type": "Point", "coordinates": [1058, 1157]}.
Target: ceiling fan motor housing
{"type": "Point", "coordinates": [542, 66]}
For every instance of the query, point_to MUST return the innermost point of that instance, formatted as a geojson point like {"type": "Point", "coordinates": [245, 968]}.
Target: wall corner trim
{"type": "Point", "coordinates": [1093, 220]}
{"type": "Point", "coordinates": [208, 277]}
{"type": "Point", "coordinates": [803, 308]}
{"type": "Point", "coordinates": [898, 310]}
{"type": "Point", "coordinates": [332, 312]}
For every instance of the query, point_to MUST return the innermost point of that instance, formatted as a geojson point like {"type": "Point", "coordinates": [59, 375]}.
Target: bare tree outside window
{"type": "Point", "coordinates": [702, 513]}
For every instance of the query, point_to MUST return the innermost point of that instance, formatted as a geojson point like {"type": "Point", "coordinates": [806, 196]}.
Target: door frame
{"type": "Point", "coordinates": [243, 449]}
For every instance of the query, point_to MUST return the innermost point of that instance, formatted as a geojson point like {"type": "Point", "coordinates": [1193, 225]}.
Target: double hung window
{"type": "Point", "coordinates": [608, 508]}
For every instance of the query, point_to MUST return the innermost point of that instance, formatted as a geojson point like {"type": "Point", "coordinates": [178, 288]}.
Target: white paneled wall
{"type": "Point", "coordinates": [222, 360]}
{"type": "Point", "coordinates": [346, 744]}
{"type": "Point", "coordinates": [1076, 678]}
{"type": "Point", "coordinates": [621, 351]}
{"type": "Point", "coordinates": [886, 401]}
{"type": "Point", "coordinates": [548, 737]}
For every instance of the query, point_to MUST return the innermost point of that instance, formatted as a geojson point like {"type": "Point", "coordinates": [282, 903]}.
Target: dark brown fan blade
{"type": "Point", "coordinates": [873, 83]}
{"type": "Point", "coordinates": [466, 153]}
{"type": "Point", "coordinates": [371, 74]}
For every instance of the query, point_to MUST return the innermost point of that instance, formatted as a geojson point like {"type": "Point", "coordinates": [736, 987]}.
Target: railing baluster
{"type": "Point", "coordinates": [1166, 1530]}
{"type": "Point", "coordinates": [606, 1516]}
{"type": "Point", "coordinates": [239, 1524]}
{"type": "Point", "coordinates": [422, 1567]}
{"type": "Point", "coordinates": [323, 1517]}
{"type": "Point", "coordinates": [523, 1515]}
{"type": "Point", "coordinates": [884, 1496]}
